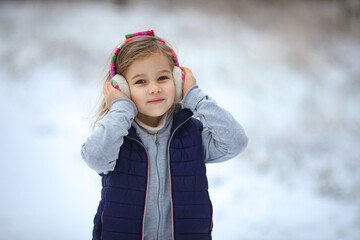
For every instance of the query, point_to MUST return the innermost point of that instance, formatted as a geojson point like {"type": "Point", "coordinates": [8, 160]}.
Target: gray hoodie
{"type": "Point", "coordinates": [222, 138]}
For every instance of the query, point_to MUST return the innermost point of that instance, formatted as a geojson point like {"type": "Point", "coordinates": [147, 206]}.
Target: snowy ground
{"type": "Point", "coordinates": [299, 178]}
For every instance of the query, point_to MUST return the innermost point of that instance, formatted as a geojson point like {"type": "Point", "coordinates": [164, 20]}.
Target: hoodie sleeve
{"type": "Point", "coordinates": [222, 137]}
{"type": "Point", "coordinates": [101, 149]}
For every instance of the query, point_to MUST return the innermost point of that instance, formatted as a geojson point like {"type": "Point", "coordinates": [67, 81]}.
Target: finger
{"type": "Point", "coordinates": [188, 72]}
{"type": "Point", "coordinates": [107, 87]}
{"type": "Point", "coordinates": [185, 69]}
{"type": "Point", "coordinates": [112, 90]}
{"type": "Point", "coordinates": [123, 94]}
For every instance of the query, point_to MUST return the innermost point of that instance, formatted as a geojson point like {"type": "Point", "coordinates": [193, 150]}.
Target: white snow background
{"type": "Point", "coordinates": [299, 178]}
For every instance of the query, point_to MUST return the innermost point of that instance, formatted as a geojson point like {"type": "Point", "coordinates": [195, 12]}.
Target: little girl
{"type": "Point", "coordinates": [151, 150]}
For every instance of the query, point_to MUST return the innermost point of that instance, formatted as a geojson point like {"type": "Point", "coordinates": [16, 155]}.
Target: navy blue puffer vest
{"type": "Point", "coordinates": [120, 214]}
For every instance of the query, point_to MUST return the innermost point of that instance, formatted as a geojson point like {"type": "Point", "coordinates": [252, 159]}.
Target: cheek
{"type": "Point", "coordinates": [135, 95]}
{"type": "Point", "coordinates": [171, 89]}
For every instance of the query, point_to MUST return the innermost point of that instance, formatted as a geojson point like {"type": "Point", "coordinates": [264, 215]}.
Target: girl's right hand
{"type": "Point", "coordinates": [111, 94]}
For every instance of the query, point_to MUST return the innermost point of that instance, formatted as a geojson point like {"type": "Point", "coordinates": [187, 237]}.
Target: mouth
{"type": "Point", "coordinates": [156, 100]}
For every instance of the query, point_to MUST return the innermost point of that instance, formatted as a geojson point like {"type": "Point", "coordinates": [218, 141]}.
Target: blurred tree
{"type": "Point", "coordinates": [349, 14]}
{"type": "Point", "coordinates": [120, 1]}
{"type": "Point", "coordinates": [349, 8]}
{"type": "Point", "coordinates": [53, 1]}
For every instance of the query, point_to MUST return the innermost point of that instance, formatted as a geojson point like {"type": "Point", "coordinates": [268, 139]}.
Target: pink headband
{"type": "Point", "coordinates": [132, 36]}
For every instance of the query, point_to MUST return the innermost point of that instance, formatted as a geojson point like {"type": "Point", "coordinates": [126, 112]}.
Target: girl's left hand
{"type": "Point", "coordinates": [189, 79]}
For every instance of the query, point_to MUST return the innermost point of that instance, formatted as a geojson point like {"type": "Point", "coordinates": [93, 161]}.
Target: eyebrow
{"type": "Point", "coordinates": [143, 74]}
{"type": "Point", "coordinates": [137, 75]}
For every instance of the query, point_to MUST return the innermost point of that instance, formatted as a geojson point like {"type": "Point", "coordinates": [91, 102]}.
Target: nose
{"type": "Point", "coordinates": [154, 89]}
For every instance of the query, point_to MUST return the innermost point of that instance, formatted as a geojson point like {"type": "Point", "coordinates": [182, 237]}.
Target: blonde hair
{"type": "Point", "coordinates": [131, 51]}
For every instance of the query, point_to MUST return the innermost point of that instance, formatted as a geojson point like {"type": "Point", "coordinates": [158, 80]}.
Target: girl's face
{"type": "Point", "coordinates": [152, 87]}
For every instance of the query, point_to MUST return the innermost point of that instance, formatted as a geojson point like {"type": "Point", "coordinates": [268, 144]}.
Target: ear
{"type": "Point", "coordinates": [119, 82]}
{"type": "Point", "coordinates": [179, 83]}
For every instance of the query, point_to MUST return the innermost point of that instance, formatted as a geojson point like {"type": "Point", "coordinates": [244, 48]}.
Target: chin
{"type": "Point", "coordinates": [158, 114]}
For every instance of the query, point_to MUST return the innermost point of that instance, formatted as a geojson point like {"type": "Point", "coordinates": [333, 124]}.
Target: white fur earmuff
{"type": "Point", "coordinates": [179, 84]}
{"type": "Point", "coordinates": [119, 82]}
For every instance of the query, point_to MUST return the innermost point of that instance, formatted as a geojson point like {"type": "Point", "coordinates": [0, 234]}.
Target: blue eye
{"type": "Point", "coordinates": [140, 82]}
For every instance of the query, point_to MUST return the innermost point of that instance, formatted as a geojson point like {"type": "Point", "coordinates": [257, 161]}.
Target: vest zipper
{"type": "Point", "coordinates": [158, 175]}
{"type": "Point", "coordinates": [147, 183]}
{"type": "Point", "coordinates": [172, 205]}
